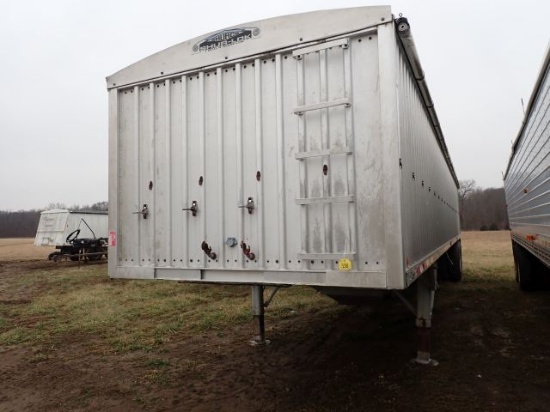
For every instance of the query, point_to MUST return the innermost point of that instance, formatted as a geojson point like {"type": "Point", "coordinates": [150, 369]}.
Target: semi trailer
{"type": "Point", "coordinates": [297, 150]}
{"type": "Point", "coordinates": [527, 188]}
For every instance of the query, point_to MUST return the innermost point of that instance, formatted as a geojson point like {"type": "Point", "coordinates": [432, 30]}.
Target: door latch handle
{"type": "Point", "coordinates": [249, 205]}
{"type": "Point", "coordinates": [193, 209]}
{"type": "Point", "coordinates": [144, 212]}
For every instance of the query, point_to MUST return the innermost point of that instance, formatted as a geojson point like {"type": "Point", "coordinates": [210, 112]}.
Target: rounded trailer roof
{"type": "Point", "coordinates": [249, 39]}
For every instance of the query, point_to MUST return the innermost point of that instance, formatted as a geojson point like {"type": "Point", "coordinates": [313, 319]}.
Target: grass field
{"type": "Point", "coordinates": [487, 256]}
{"type": "Point", "coordinates": [72, 339]}
{"type": "Point", "coordinates": [127, 315]}
{"type": "Point", "coordinates": [18, 249]}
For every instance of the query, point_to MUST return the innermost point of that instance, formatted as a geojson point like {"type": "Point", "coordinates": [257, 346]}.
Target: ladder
{"type": "Point", "coordinates": [327, 183]}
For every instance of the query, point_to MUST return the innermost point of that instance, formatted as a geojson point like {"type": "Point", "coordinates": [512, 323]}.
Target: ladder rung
{"type": "Point", "coordinates": [319, 200]}
{"type": "Point", "coordinates": [329, 256]}
{"type": "Point", "coordinates": [324, 152]}
{"type": "Point", "coordinates": [346, 101]}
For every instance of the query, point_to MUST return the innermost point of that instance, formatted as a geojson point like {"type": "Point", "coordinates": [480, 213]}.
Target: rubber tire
{"type": "Point", "coordinates": [455, 255]}
{"type": "Point", "coordinates": [525, 269]}
{"type": "Point", "coordinates": [443, 266]}
{"type": "Point", "coordinates": [449, 265]}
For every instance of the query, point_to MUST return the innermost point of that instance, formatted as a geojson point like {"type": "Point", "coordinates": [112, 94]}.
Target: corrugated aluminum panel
{"type": "Point", "coordinates": [527, 183]}
{"type": "Point", "coordinates": [430, 206]}
{"type": "Point", "coordinates": [274, 168]}
{"type": "Point", "coordinates": [222, 136]}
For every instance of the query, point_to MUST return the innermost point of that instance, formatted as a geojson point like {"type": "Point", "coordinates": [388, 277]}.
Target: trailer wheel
{"type": "Point", "coordinates": [515, 253]}
{"type": "Point", "coordinates": [455, 270]}
{"type": "Point", "coordinates": [450, 264]}
{"type": "Point", "coordinates": [525, 274]}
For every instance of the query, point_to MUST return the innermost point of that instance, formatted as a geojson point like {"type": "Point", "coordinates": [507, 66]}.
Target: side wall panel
{"type": "Point", "coordinates": [128, 175]}
{"type": "Point", "coordinates": [527, 183]}
{"type": "Point", "coordinates": [146, 175]}
{"type": "Point", "coordinates": [177, 158]}
{"type": "Point", "coordinates": [161, 174]}
{"type": "Point", "coordinates": [368, 152]}
{"type": "Point", "coordinates": [430, 196]}
{"type": "Point", "coordinates": [289, 188]}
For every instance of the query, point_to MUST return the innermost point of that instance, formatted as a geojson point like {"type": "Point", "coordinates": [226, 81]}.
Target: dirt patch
{"type": "Point", "coordinates": [491, 341]}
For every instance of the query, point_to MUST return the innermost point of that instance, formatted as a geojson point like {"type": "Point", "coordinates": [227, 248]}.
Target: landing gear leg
{"type": "Point", "coordinates": [425, 292]}
{"type": "Point", "coordinates": [258, 310]}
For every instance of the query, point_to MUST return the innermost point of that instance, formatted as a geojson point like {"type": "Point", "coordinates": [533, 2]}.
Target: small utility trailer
{"type": "Point", "coordinates": [77, 235]}
{"type": "Point", "coordinates": [298, 150]}
{"type": "Point", "coordinates": [527, 188]}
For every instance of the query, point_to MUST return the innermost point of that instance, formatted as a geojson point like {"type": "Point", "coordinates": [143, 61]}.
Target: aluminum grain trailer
{"type": "Point", "coordinates": [298, 150]}
{"type": "Point", "coordinates": [527, 188]}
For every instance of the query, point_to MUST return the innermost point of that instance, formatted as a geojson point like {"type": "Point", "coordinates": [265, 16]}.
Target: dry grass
{"type": "Point", "coordinates": [487, 256]}
{"type": "Point", "coordinates": [134, 315]}
{"type": "Point", "coordinates": [130, 315]}
{"type": "Point", "coordinates": [17, 249]}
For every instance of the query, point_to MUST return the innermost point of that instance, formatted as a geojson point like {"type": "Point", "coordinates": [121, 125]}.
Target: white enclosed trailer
{"type": "Point", "coordinates": [77, 235]}
{"type": "Point", "coordinates": [55, 225]}
{"type": "Point", "coordinates": [527, 188]}
{"type": "Point", "coordinates": [299, 150]}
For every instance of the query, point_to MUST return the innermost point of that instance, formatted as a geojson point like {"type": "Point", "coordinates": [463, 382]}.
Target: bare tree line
{"type": "Point", "coordinates": [482, 209]}
{"type": "Point", "coordinates": [24, 223]}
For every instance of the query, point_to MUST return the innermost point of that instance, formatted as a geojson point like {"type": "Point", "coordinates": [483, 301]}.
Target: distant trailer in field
{"type": "Point", "coordinates": [76, 235]}
{"type": "Point", "coordinates": [298, 150]}
{"type": "Point", "coordinates": [56, 225]}
{"type": "Point", "coordinates": [527, 188]}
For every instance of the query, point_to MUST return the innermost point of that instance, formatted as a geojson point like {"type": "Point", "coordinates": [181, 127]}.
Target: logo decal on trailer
{"type": "Point", "coordinates": [226, 38]}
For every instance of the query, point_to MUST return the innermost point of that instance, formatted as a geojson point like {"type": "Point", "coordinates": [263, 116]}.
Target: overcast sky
{"type": "Point", "coordinates": [480, 57]}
